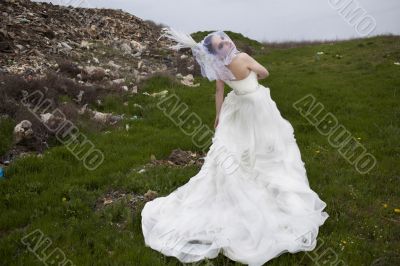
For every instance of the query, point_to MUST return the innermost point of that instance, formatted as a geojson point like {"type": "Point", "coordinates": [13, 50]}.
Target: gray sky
{"type": "Point", "coordinates": [269, 20]}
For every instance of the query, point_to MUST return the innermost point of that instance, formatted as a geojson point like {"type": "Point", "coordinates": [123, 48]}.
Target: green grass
{"type": "Point", "coordinates": [6, 129]}
{"type": "Point", "coordinates": [57, 195]}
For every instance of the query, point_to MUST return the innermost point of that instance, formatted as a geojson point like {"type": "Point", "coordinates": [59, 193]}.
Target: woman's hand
{"type": "Point", "coordinates": [216, 121]}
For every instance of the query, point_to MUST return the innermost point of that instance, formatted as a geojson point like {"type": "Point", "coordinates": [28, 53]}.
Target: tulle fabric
{"type": "Point", "coordinates": [250, 200]}
{"type": "Point", "coordinates": [213, 65]}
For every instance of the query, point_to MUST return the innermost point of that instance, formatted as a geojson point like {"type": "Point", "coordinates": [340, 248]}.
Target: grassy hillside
{"type": "Point", "coordinates": [355, 80]}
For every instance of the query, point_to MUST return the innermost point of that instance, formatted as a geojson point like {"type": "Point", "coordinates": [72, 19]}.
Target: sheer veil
{"type": "Point", "coordinates": [213, 53]}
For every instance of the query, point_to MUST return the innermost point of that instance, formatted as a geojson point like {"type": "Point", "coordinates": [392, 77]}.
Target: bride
{"type": "Point", "coordinates": [251, 199]}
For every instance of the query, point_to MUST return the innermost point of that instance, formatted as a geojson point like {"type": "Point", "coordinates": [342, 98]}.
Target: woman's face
{"type": "Point", "coordinates": [222, 45]}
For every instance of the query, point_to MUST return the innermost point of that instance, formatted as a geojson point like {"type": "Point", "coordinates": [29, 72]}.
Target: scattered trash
{"type": "Point", "coordinates": [180, 157]}
{"type": "Point", "coordinates": [397, 63]}
{"type": "Point", "coordinates": [320, 53]}
{"type": "Point", "coordinates": [71, 35]}
{"type": "Point", "coordinates": [138, 105]}
{"type": "Point", "coordinates": [113, 197]}
{"type": "Point", "coordinates": [134, 89]}
{"type": "Point", "coordinates": [161, 94]}
{"type": "Point", "coordinates": [155, 94]}
{"type": "Point", "coordinates": [135, 117]}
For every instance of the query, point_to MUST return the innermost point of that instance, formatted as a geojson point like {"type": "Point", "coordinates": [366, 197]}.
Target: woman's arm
{"type": "Point", "coordinates": [219, 98]}
{"type": "Point", "coordinates": [219, 95]}
{"type": "Point", "coordinates": [252, 64]}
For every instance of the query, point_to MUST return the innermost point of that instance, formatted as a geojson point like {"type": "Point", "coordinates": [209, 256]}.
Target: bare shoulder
{"type": "Point", "coordinates": [247, 57]}
{"type": "Point", "coordinates": [239, 59]}
{"type": "Point", "coordinates": [242, 55]}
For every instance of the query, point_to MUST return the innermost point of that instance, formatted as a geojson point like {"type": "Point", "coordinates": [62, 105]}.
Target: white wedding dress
{"type": "Point", "coordinates": [251, 199]}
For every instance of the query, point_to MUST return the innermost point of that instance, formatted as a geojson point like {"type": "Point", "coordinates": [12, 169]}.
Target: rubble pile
{"type": "Point", "coordinates": [32, 34]}
{"type": "Point", "coordinates": [75, 57]}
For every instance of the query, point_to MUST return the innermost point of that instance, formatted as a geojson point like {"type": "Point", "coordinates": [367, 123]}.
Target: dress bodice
{"type": "Point", "coordinates": [246, 85]}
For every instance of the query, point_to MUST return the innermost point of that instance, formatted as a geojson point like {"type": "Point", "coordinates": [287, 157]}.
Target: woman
{"type": "Point", "coordinates": [251, 199]}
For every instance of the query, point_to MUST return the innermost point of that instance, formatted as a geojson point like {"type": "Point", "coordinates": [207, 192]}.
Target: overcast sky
{"type": "Point", "coordinates": [266, 20]}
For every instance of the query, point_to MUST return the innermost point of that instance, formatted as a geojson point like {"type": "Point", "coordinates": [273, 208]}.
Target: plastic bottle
{"type": "Point", "coordinates": [1, 173]}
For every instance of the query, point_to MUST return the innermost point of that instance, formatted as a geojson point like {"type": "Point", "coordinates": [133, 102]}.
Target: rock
{"type": "Point", "coordinates": [100, 117]}
{"type": "Point", "coordinates": [117, 81]}
{"type": "Point", "coordinates": [137, 54]}
{"type": "Point", "coordinates": [116, 118]}
{"type": "Point", "coordinates": [140, 64]}
{"type": "Point", "coordinates": [126, 49]}
{"type": "Point", "coordinates": [23, 131]}
{"type": "Point", "coordinates": [85, 44]}
{"type": "Point", "coordinates": [105, 118]}
{"type": "Point", "coordinates": [50, 120]}
{"type": "Point", "coordinates": [150, 195]}
{"type": "Point", "coordinates": [79, 97]}
{"type": "Point", "coordinates": [83, 109]}
{"type": "Point", "coordinates": [188, 81]}
{"type": "Point", "coordinates": [46, 117]}
{"type": "Point", "coordinates": [113, 65]}
{"type": "Point", "coordinates": [137, 46]}
{"type": "Point", "coordinates": [94, 72]}
{"type": "Point", "coordinates": [180, 157]}
{"type": "Point", "coordinates": [135, 73]}
{"type": "Point", "coordinates": [66, 46]}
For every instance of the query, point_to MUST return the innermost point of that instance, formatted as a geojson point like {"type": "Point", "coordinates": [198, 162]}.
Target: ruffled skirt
{"type": "Point", "coordinates": [250, 200]}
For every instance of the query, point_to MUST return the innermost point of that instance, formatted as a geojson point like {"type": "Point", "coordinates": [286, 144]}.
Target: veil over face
{"type": "Point", "coordinates": [213, 53]}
